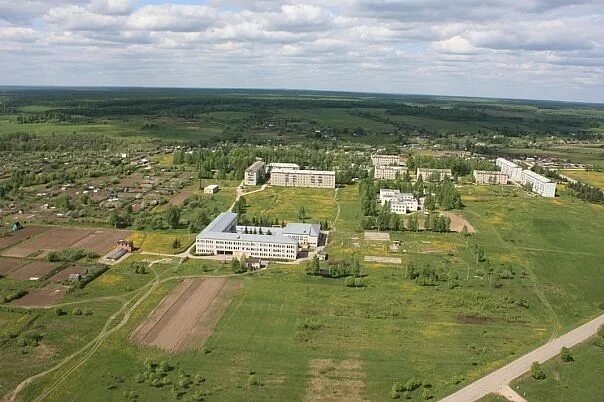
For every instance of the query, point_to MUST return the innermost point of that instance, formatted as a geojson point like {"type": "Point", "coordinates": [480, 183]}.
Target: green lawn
{"type": "Point", "coordinates": [578, 380]}
{"type": "Point", "coordinates": [589, 177]}
{"type": "Point", "coordinates": [283, 203]}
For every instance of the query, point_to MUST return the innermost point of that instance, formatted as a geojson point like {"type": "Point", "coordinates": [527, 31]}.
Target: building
{"type": "Point", "coordinates": [125, 245]}
{"type": "Point", "coordinates": [281, 165]}
{"type": "Point", "coordinates": [224, 236]}
{"type": "Point", "coordinates": [512, 170]}
{"type": "Point", "coordinates": [428, 174]}
{"type": "Point", "coordinates": [211, 189]}
{"type": "Point", "coordinates": [303, 178]}
{"type": "Point", "coordinates": [400, 203]}
{"type": "Point", "coordinates": [385, 160]}
{"type": "Point", "coordinates": [539, 184]}
{"type": "Point", "coordinates": [388, 172]}
{"type": "Point", "coordinates": [490, 177]}
{"type": "Point", "coordinates": [254, 174]}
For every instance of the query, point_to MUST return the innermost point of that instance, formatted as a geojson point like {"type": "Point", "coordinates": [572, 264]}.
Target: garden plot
{"type": "Point", "coordinates": [36, 269]}
{"type": "Point", "coordinates": [8, 265]}
{"type": "Point", "coordinates": [180, 198]}
{"type": "Point", "coordinates": [187, 316]}
{"type": "Point", "coordinates": [377, 236]}
{"type": "Point", "coordinates": [64, 273]}
{"type": "Point", "coordinates": [101, 241]}
{"type": "Point", "coordinates": [20, 235]}
{"type": "Point", "coordinates": [46, 296]}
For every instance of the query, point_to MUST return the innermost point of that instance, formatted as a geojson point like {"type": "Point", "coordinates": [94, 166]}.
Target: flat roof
{"type": "Point", "coordinates": [231, 236]}
{"type": "Point", "coordinates": [497, 172]}
{"type": "Point", "coordinates": [255, 166]}
{"type": "Point", "coordinates": [302, 171]}
{"type": "Point", "coordinates": [536, 176]}
{"type": "Point", "coordinates": [507, 162]}
{"type": "Point", "coordinates": [302, 229]}
{"type": "Point", "coordinates": [220, 223]}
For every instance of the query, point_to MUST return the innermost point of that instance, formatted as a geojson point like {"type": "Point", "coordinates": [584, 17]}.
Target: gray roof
{"type": "Point", "coordinates": [220, 223]}
{"type": "Point", "coordinates": [302, 229]}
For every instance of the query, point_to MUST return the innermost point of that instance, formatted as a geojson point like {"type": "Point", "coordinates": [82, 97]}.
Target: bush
{"type": "Point", "coordinates": [565, 355]}
{"type": "Point", "coordinates": [70, 255]}
{"type": "Point", "coordinates": [537, 372]}
{"type": "Point", "coordinates": [76, 311]}
{"type": "Point", "coordinates": [14, 296]}
{"type": "Point", "coordinates": [253, 380]}
{"type": "Point", "coordinates": [59, 311]}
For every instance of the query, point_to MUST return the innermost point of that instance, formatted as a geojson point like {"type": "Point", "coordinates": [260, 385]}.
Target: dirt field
{"type": "Point", "coordinates": [187, 316]}
{"type": "Point", "coordinates": [45, 296]}
{"type": "Point", "coordinates": [382, 260]}
{"type": "Point", "coordinates": [36, 269]}
{"type": "Point", "coordinates": [10, 264]}
{"type": "Point", "coordinates": [180, 198]}
{"type": "Point", "coordinates": [377, 236]}
{"type": "Point", "coordinates": [330, 380]}
{"type": "Point", "coordinates": [102, 241]}
{"type": "Point", "coordinates": [458, 222]}
{"type": "Point", "coordinates": [20, 235]}
{"type": "Point", "coordinates": [64, 274]}
{"type": "Point", "coordinates": [60, 238]}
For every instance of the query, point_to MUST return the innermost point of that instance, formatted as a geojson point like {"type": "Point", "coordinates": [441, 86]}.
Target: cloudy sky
{"type": "Point", "coordinates": [545, 49]}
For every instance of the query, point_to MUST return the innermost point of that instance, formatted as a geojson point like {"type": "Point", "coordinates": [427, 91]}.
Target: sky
{"type": "Point", "coordinates": [532, 49]}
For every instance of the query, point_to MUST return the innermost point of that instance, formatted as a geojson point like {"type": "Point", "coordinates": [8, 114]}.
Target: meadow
{"type": "Point", "coordinates": [594, 178]}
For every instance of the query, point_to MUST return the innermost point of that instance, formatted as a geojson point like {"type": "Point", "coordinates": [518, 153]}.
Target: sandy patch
{"type": "Point", "coordinates": [331, 380]}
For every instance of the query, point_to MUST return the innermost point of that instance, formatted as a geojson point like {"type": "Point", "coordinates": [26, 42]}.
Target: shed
{"type": "Point", "coordinates": [211, 189]}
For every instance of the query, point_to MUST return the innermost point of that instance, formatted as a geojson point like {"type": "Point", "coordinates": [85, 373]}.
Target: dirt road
{"type": "Point", "coordinates": [498, 379]}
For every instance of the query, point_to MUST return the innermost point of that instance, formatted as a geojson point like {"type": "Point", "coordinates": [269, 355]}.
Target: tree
{"type": "Point", "coordinates": [412, 223]}
{"type": "Point", "coordinates": [313, 267]}
{"type": "Point", "coordinates": [301, 214]}
{"type": "Point", "coordinates": [537, 371]}
{"type": "Point", "coordinates": [176, 243]}
{"type": "Point", "coordinates": [173, 216]}
{"type": "Point", "coordinates": [565, 355]}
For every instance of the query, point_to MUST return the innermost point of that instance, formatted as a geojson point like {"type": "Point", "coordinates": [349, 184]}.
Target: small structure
{"type": "Point", "coordinates": [116, 254]}
{"type": "Point", "coordinates": [16, 226]}
{"type": "Point", "coordinates": [125, 245]}
{"type": "Point", "coordinates": [211, 189]}
{"type": "Point", "coordinates": [75, 277]}
{"type": "Point", "coordinates": [322, 255]}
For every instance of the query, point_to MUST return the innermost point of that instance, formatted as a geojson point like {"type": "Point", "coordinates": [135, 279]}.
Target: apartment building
{"type": "Point", "coordinates": [255, 173]}
{"type": "Point", "coordinates": [428, 174]}
{"type": "Point", "coordinates": [388, 172]}
{"type": "Point", "coordinates": [490, 177]}
{"type": "Point", "coordinates": [400, 203]}
{"type": "Point", "coordinates": [539, 184]}
{"type": "Point", "coordinates": [512, 170]}
{"type": "Point", "coordinates": [303, 178]}
{"type": "Point", "coordinates": [224, 236]}
{"type": "Point", "coordinates": [385, 160]}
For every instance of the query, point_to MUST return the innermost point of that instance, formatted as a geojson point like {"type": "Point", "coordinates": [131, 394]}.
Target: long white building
{"type": "Point", "coordinates": [255, 173]}
{"type": "Point", "coordinates": [400, 203]}
{"type": "Point", "coordinates": [539, 184]}
{"type": "Point", "coordinates": [512, 170]}
{"type": "Point", "coordinates": [224, 236]}
{"type": "Point", "coordinates": [388, 172]}
{"type": "Point", "coordinates": [303, 178]}
{"type": "Point", "coordinates": [385, 160]}
{"type": "Point", "coordinates": [490, 177]}
{"type": "Point", "coordinates": [428, 174]}
{"type": "Point", "coordinates": [281, 165]}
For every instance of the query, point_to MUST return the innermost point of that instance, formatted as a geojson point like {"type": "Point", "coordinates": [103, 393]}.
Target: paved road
{"type": "Point", "coordinates": [495, 381]}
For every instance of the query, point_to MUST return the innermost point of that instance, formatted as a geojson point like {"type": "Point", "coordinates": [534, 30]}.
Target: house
{"type": "Point", "coordinates": [211, 189]}
{"type": "Point", "coordinates": [125, 245]}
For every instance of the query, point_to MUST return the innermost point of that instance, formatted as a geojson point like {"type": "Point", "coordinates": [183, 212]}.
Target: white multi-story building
{"type": "Point", "coordinates": [539, 184]}
{"type": "Point", "coordinates": [281, 165]}
{"type": "Point", "coordinates": [388, 172]}
{"type": "Point", "coordinates": [428, 174]}
{"type": "Point", "coordinates": [512, 170]}
{"type": "Point", "coordinates": [490, 177]}
{"type": "Point", "coordinates": [254, 174]}
{"type": "Point", "coordinates": [303, 178]}
{"type": "Point", "coordinates": [385, 160]}
{"type": "Point", "coordinates": [400, 203]}
{"type": "Point", "coordinates": [224, 236]}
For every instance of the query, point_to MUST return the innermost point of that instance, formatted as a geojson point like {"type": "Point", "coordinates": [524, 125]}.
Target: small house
{"type": "Point", "coordinates": [211, 189]}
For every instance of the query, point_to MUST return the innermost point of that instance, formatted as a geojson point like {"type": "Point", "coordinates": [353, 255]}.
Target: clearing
{"type": "Point", "coordinates": [377, 236]}
{"type": "Point", "coordinates": [186, 317]}
{"type": "Point", "coordinates": [589, 177]}
{"type": "Point", "coordinates": [458, 222]}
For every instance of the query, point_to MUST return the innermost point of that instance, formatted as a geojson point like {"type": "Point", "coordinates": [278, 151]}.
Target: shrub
{"type": "Point", "coordinates": [14, 296]}
{"type": "Point", "coordinates": [76, 311]}
{"type": "Point", "coordinates": [59, 311]}
{"type": "Point", "coordinates": [565, 355]}
{"type": "Point", "coordinates": [537, 372]}
{"type": "Point", "coordinates": [253, 380]}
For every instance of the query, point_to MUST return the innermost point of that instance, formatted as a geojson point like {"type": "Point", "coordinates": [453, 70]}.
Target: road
{"type": "Point", "coordinates": [499, 379]}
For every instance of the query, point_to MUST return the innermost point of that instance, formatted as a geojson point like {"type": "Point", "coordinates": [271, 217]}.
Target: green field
{"type": "Point", "coordinates": [596, 179]}
{"type": "Point", "coordinates": [283, 203]}
{"type": "Point", "coordinates": [578, 380]}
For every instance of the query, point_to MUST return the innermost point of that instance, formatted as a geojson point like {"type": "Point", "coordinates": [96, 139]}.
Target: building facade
{"type": "Point", "coordinates": [224, 236]}
{"type": "Point", "coordinates": [254, 174]}
{"type": "Point", "coordinates": [385, 160]}
{"type": "Point", "coordinates": [303, 178]}
{"type": "Point", "coordinates": [490, 177]}
{"type": "Point", "coordinates": [388, 172]}
{"type": "Point", "coordinates": [400, 203]}
{"type": "Point", "coordinates": [539, 184]}
{"type": "Point", "coordinates": [428, 174]}
{"type": "Point", "coordinates": [211, 189]}
{"type": "Point", "coordinates": [512, 170]}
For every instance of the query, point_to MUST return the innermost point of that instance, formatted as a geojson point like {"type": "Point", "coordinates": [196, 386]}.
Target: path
{"type": "Point", "coordinates": [240, 193]}
{"type": "Point", "coordinates": [499, 379]}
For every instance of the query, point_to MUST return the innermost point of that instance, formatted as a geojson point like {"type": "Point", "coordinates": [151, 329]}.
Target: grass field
{"type": "Point", "coordinates": [578, 380]}
{"type": "Point", "coordinates": [161, 242]}
{"type": "Point", "coordinates": [594, 178]}
{"type": "Point", "coordinates": [284, 203]}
